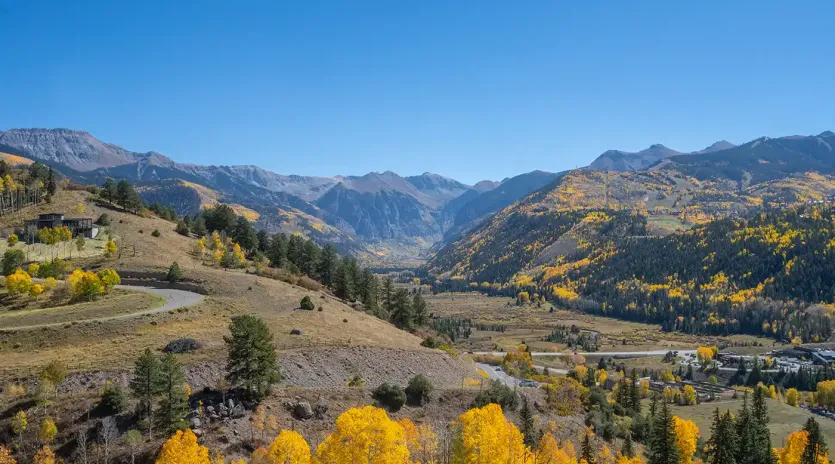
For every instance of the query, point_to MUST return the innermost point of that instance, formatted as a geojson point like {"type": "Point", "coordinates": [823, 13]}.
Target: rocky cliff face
{"type": "Point", "coordinates": [75, 149]}
{"type": "Point", "coordinates": [380, 215]}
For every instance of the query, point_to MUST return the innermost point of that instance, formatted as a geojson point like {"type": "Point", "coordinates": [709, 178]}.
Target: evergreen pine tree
{"type": "Point", "coordinates": [722, 446]}
{"type": "Point", "coordinates": [527, 425]}
{"type": "Point", "coordinates": [144, 384]}
{"type": "Point", "coordinates": [198, 227]}
{"type": "Point", "coordinates": [816, 445]}
{"type": "Point", "coordinates": [419, 310]}
{"type": "Point", "coordinates": [628, 448]}
{"type": "Point", "coordinates": [635, 392]}
{"type": "Point", "coordinates": [401, 312]}
{"type": "Point", "coordinates": [173, 402]}
{"type": "Point", "coordinates": [343, 285]}
{"type": "Point", "coordinates": [745, 434]}
{"type": "Point", "coordinates": [763, 454]}
{"type": "Point", "coordinates": [663, 449]}
{"type": "Point", "coordinates": [387, 294]}
{"type": "Point", "coordinates": [251, 358]}
{"type": "Point", "coordinates": [51, 185]}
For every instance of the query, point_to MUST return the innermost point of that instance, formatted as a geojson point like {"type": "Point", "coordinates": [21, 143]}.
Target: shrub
{"type": "Point", "coordinates": [391, 396]}
{"type": "Point", "coordinates": [89, 285]}
{"type": "Point", "coordinates": [432, 342]}
{"type": "Point", "coordinates": [103, 220]}
{"type": "Point", "coordinates": [12, 259]}
{"type": "Point", "coordinates": [181, 228]}
{"type": "Point", "coordinates": [419, 390]}
{"type": "Point", "coordinates": [36, 290]}
{"type": "Point", "coordinates": [110, 249]}
{"type": "Point", "coordinates": [356, 381]}
{"type": "Point", "coordinates": [498, 393]}
{"type": "Point", "coordinates": [175, 274]}
{"type": "Point", "coordinates": [12, 240]}
{"type": "Point", "coordinates": [57, 269]}
{"type": "Point", "coordinates": [155, 233]}
{"type": "Point", "coordinates": [49, 283]}
{"type": "Point", "coordinates": [109, 278]}
{"type": "Point", "coordinates": [307, 283]}
{"type": "Point", "coordinates": [307, 304]}
{"type": "Point", "coordinates": [18, 283]}
{"type": "Point", "coordinates": [113, 399]}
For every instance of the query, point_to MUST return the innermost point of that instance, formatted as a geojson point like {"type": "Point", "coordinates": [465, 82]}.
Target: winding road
{"type": "Point", "coordinates": [174, 299]}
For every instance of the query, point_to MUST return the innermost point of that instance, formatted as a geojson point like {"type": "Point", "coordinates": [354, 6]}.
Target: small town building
{"type": "Point", "coordinates": [78, 226]}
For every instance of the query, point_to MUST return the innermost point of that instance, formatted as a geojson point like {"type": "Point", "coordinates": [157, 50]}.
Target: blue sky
{"type": "Point", "coordinates": [468, 89]}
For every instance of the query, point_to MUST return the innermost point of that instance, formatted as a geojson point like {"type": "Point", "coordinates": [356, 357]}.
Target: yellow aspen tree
{"type": "Point", "coordinates": [182, 448]}
{"type": "Point", "coordinates": [792, 452]}
{"type": "Point", "coordinates": [421, 442]}
{"type": "Point", "coordinates": [35, 290]}
{"type": "Point", "coordinates": [364, 436]}
{"type": "Point", "coordinates": [6, 456]}
{"type": "Point", "coordinates": [792, 397]}
{"type": "Point", "coordinates": [272, 425]}
{"type": "Point", "coordinates": [20, 423]}
{"type": "Point", "coordinates": [626, 460]}
{"type": "Point", "coordinates": [486, 437]}
{"type": "Point", "coordinates": [689, 394]}
{"type": "Point", "coordinates": [687, 434]}
{"type": "Point", "coordinates": [605, 456]}
{"type": "Point", "coordinates": [110, 249]}
{"type": "Point", "coordinates": [259, 456]}
{"type": "Point", "coordinates": [289, 447]}
{"type": "Point", "coordinates": [600, 376]}
{"type": "Point", "coordinates": [258, 420]}
{"type": "Point", "coordinates": [48, 430]}
{"type": "Point", "coordinates": [45, 456]}
{"type": "Point", "coordinates": [549, 451]}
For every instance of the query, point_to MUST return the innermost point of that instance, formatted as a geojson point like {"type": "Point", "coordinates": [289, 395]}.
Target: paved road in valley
{"type": "Point", "coordinates": [174, 299]}
{"type": "Point", "coordinates": [497, 373]}
{"type": "Point", "coordinates": [621, 354]}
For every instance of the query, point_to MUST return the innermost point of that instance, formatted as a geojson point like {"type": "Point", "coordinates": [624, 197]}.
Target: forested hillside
{"type": "Point", "coordinates": [771, 274]}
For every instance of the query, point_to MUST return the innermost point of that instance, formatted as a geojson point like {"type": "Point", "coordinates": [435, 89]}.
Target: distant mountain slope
{"type": "Point", "coordinates": [92, 160]}
{"type": "Point", "coordinates": [75, 149]}
{"type": "Point", "coordinates": [761, 159]}
{"type": "Point", "coordinates": [386, 212]}
{"type": "Point", "coordinates": [438, 188]}
{"type": "Point", "coordinates": [622, 161]}
{"type": "Point", "coordinates": [503, 195]}
{"type": "Point", "coordinates": [716, 146]}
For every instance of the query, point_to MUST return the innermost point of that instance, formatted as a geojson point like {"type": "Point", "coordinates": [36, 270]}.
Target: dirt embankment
{"type": "Point", "coordinates": [318, 368]}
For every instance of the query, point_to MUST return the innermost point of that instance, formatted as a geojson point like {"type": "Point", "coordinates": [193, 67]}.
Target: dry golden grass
{"type": "Point", "coordinates": [116, 343]}
{"type": "Point", "coordinates": [40, 311]}
{"type": "Point", "coordinates": [531, 324]}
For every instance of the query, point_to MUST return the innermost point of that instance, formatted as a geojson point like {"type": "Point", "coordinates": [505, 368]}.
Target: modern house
{"type": "Point", "coordinates": [78, 226]}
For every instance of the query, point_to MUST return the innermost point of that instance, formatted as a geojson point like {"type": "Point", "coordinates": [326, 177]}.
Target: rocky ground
{"type": "Point", "coordinates": [316, 368]}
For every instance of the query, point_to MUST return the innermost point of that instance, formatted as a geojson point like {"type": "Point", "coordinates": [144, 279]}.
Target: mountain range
{"type": "Point", "coordinates": [384, 216]}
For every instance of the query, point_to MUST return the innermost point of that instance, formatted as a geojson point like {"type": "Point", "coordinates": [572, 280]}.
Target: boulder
{"type": "Point", "coordinates": [302, 410]}
{"type": "Point", "coordinates": [196, 423]}
{"type": "Point", "coordinates": [321, 408]}
{"type": "Point", "coordinates": [181, 345]}
{"type": "Point", "coordinates": [237, 412]}
{"type": "Point", "coordinates": [296, 332]}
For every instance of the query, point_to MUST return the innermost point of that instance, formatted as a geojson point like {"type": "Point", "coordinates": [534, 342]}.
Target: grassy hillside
{"type": "Point", "coordinates": [230, 293]}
